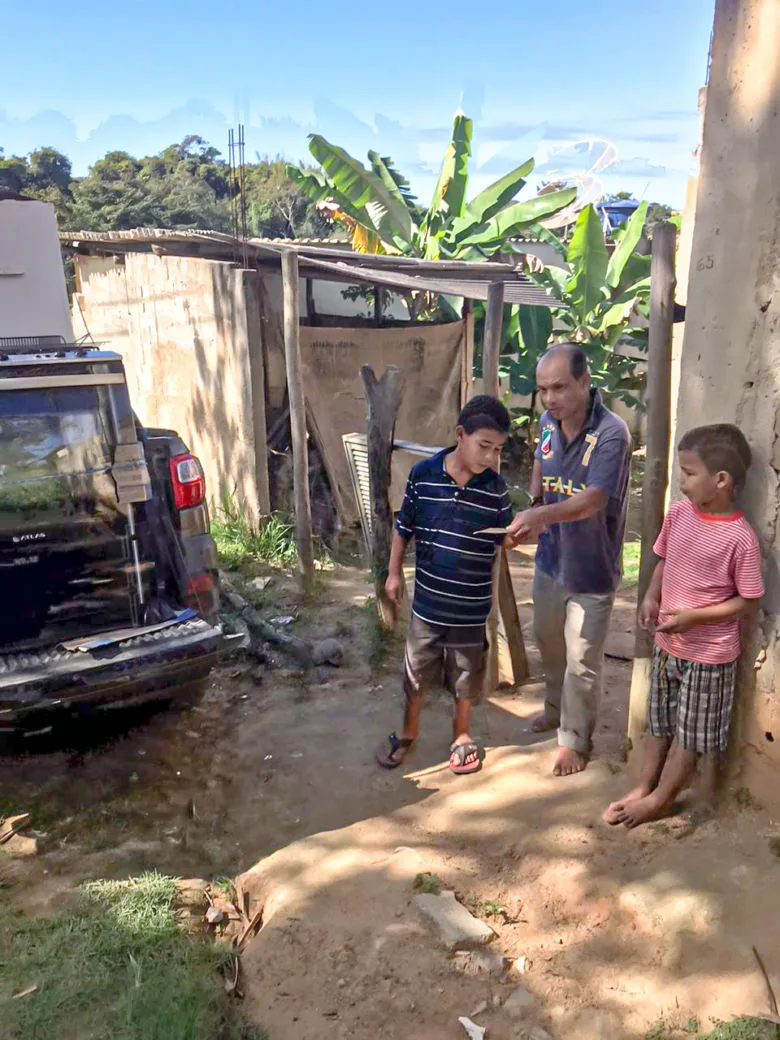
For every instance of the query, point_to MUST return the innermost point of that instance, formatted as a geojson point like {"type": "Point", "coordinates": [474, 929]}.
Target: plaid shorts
{"type": "Point", "coordinates": [691, 702]}
{"type": "Point", "coordinates": [452, 655]}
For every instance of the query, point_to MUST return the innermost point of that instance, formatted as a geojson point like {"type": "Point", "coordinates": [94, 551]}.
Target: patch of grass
{"type": "Point", "coordinates": [428, 884]}
{"type": "Point", "coordinates": [378, 638]}
{"type": "Point", "coordinates": [116, 965]}
{"type": "Point", "coordinates": [227, 887]}
{"type": "Point", "coordinates": [490, 908]}
{"type": "Point", "coordinates": [241, 541]}
{"type": "Point", "coordinates": [745, 799]}
{"type": "Point", "coordinates": [659, 828]}
{"type": "Point", "coordinates": [631, 553]}
{"type": "Point", "coordinates": [743, 1028]}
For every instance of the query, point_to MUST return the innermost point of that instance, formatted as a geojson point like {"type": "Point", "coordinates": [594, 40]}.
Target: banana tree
{"type": "Point", "coordinates": [599, 295]}
{"type": "Point", "coordinates": [377, 206]}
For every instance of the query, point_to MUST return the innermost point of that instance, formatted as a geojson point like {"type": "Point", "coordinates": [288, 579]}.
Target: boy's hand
{"type": "Point", "coordinates": [678, 621]}
{"type": "Point", "coordinates": [648, 613]}
{"type": "Point", "coordinates": [394, 589]}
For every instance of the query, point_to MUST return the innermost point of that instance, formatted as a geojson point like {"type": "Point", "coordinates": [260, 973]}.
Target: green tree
{"type": "Point", "coordinates": [276, 205]}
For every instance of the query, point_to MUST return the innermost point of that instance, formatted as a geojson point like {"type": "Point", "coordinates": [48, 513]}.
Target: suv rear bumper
{"type": "Point", "coordinates": [144, 668]}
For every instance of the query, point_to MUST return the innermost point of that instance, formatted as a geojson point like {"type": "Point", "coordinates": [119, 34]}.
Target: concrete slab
{"type": "Point", "coordinates": [459, 929]}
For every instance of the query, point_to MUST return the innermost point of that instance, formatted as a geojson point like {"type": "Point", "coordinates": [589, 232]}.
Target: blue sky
{"type": "Point", "coordinates": [537, 78]}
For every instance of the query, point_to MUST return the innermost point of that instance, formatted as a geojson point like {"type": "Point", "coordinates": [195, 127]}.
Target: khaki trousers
{"type": "Point", "coordinates": [571, 629]}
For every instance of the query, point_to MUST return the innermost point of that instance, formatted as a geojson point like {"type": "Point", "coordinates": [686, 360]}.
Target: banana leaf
{"type": "Point", "coordinates": [388, 215]}
{"type": "Point", "coordinates": [627, 241]}
{"type": "Point", "coordinates": [512, 219]}
{"type": "Point", "coordinates": [450, 193]}
{"type": "Point", "coordinates": [493, 198]}
{"type": "Point", "coordinates": [394, 181]}
{"type": "Point", "coordinates": [587, 257]}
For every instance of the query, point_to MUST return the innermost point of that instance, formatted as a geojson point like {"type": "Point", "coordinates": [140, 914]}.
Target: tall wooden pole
{"type": "Point", "coordinates": [491, 343]}
{"type": "Point", "coordinates": [292, 356]}
{"type": "Point", "coordinates": [383, 398]}
{"type": "Point", "coordinates": [658, 405]}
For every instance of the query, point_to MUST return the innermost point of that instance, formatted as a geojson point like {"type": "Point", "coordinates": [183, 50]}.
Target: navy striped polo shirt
{"type": "Point", "coordinates": [454, 564]}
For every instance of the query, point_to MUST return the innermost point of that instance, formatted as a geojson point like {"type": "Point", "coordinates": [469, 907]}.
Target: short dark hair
{"type": "Point", "coordinates": [721, 447]}
{"type": "Point", "coordinates": [484, 412]}
{"type": "Point", "coordinates": [576, 356]}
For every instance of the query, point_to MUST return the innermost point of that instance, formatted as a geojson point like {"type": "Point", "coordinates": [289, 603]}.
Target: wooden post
{"type": "Point", "coordinates": [491, 342]}
{"type": "Point", "coordinates": [467, 354]}
{"type": "Point", "coordinates": [658, 404]}
{"type": "Point", "coordinates": [311, 310]}
{"type": "Point", "coordinates": [292, 357]}
{"type": "Point", "coordinates": [383, 399]}
{"type": "Point", "coordinates": [379, 304]}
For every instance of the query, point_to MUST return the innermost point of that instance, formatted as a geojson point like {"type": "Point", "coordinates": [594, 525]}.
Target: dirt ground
{"type": "Point", "coordinates": [271, 775]}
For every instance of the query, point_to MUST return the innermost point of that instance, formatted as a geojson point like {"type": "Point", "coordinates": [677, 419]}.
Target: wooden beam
{"type": "Point", "coordinates": [383, 399]}
{"type": "Point", "coordinates": [491, 342]}
{"type": "Point", "coordinates": [658, 405]}
{"type": "Point", "coordinates": [292, 357]}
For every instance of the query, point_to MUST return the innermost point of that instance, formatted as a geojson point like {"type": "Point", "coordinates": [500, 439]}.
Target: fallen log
{"type": "Point", "coordinates": [302, 651]}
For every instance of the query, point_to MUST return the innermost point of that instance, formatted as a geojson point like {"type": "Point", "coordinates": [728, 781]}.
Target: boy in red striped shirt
{"type": "Point", "coordinates": [707, 579]}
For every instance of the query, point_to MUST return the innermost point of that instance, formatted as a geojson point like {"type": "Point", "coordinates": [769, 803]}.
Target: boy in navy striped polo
{"type": "Point", "coordinates": [449, 500]}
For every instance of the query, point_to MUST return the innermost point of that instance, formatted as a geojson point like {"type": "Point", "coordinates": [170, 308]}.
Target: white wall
{"type": "Point", "coordinates": [33, 296]}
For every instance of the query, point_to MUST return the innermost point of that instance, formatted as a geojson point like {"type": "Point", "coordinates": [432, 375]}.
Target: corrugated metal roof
{"type": "Point", "coordinates": [324, 259]}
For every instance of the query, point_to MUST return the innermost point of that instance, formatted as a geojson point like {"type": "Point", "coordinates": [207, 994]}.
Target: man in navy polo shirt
{"type": "Point", "coordinates": [579, 489]}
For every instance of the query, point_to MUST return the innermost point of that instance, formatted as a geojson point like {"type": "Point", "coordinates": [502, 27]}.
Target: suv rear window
{"type": "Point", "coordinates": [47, 435]}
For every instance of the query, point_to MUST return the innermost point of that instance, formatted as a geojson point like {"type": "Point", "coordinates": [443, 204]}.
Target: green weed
{"type": "Point", "coordinates": [744, 1028]}
{"type": "Point", "coordinates": [745, 799]}
{"type": "Point", "coordinates": [631, 554]}
{"type": "Point", "coordinates": [115, 965]}
{"type": "Point", "coordinates": [378, 638]}
{"type": "Point", "coordinates": [227, 887]}
{"type": "Point", "coordinates": [490, 908]}
{"type": "Point", "coordinates": [428, 883]}
{"type": "Point", "coordinates": [241, 541]}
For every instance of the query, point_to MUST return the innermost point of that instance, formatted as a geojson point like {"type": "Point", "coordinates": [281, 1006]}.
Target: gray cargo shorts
{"type": "Point", "coordinates": [452, 655]}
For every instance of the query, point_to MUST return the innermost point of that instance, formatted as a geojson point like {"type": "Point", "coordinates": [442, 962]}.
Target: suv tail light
{"type": "Point", "coordinates": [189, 484]}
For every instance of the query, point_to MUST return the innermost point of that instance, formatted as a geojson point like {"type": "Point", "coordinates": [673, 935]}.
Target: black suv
{"type": "Point", "coordinates": [108, 572]}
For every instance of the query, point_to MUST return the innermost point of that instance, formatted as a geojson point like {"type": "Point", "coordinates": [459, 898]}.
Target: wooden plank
{"type": "Point", "coordinates": [383, 399]}
{"type": "Point", "coordinates": [254, 326]}
{"type": "Point", "coordinates": [467, 372]}
{"type": "Point", "coordinates": [491, 344]}
{"type": "Point", "coordinates": [512, 660]}
{"type": "Point", "coordinates": [658, 405]}
{"type": "Point", "coordinates": [292, 357]}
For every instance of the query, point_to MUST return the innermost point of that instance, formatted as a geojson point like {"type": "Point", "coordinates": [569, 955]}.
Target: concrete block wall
{"type": "Point", "coordinates": [730, 359]}
{"type": "Point", "coordinates": [189, 333]}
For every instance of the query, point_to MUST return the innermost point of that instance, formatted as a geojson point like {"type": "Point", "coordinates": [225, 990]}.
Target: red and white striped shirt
{"type": "Point", "coordinates": [707, 560]}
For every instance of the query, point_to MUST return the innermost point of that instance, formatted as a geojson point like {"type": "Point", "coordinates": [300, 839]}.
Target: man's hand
{"type": "Point", "coordinates": [394, 589]}
{"type": "Point", "coordinates": [678, 621]}
{"type": "Point", "coordinates": [527, 525]}
{"type": "Point", "coordinates": [648, 613]}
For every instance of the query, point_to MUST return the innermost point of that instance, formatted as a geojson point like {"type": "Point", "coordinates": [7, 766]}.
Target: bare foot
{"type": "Point", "coordinates": [613, 811]}
{"type": "Point", "coordinates": [569, 761]}
{"type": "Point", "coordinates": [642, 810]}
{"type": "Point", "coordinates": [541, 724]}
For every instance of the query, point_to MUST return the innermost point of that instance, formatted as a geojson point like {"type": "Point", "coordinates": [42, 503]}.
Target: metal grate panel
{"type": "Point", "coordinates": [356, 448]}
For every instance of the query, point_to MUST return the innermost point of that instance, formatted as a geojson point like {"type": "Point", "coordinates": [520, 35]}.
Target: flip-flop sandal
{"type": "Point", "coordinates": [392, 754]}
{"type": "Point", "coordinates": [459, 755]}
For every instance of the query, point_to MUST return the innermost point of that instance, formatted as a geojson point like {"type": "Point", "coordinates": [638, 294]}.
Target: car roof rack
{"type": "Point", "coordinates": [41, 345]}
